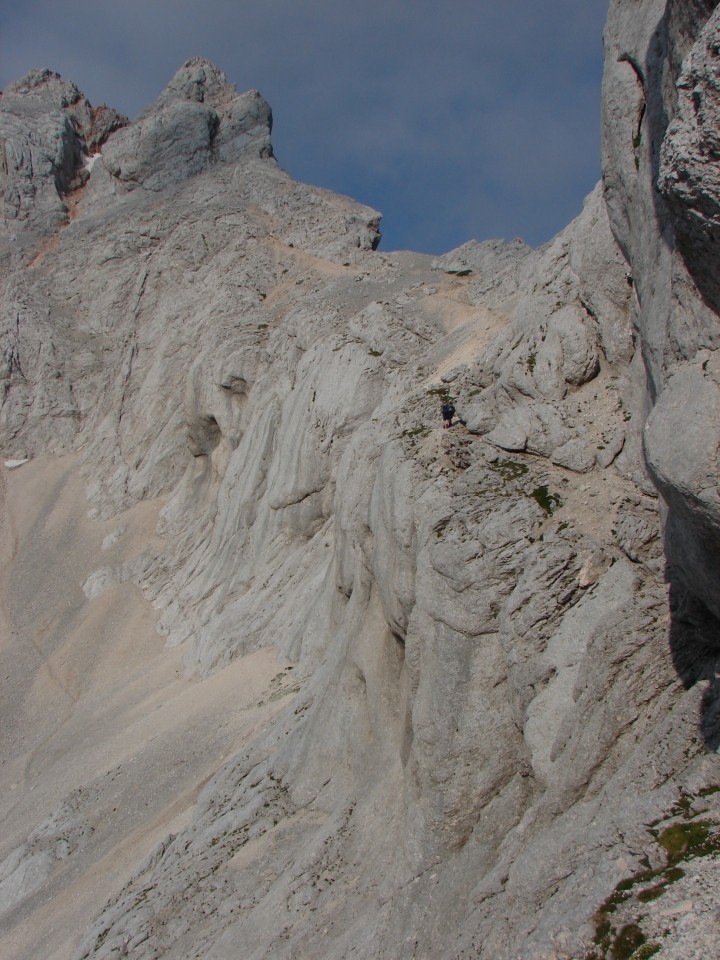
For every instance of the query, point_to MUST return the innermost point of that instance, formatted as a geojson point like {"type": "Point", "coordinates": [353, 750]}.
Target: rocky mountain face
{"type": "Point", "coordinates": [490, 725]}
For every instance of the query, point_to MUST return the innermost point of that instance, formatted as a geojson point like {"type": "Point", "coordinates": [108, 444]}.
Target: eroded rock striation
{"type": "Point", "coordinates": [495, 699]}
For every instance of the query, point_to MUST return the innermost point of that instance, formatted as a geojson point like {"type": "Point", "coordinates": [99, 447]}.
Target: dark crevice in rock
{"type": "Point", "coordinates": [695, 650]}
{"type": "Point", "coordinates": [639, 73]}
{"type": "Point", "coordinates": [204, 436]}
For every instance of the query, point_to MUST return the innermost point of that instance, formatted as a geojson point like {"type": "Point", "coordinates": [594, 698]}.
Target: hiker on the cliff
{"type": "Point", "coordinates": [448, 412]}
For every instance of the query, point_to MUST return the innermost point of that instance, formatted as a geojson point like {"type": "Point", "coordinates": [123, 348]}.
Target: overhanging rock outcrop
{"type": "Point", "coordinates": [491, 695]}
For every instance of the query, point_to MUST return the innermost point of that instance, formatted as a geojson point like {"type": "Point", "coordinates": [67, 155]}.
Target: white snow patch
{"type": "Point", "coordinates": [13, 464]}
{"type": "Point", "coordinates": [89, 162]}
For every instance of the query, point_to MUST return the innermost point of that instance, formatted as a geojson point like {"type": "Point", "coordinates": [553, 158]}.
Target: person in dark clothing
{"type": "Point", "coordinates": [448, 412]}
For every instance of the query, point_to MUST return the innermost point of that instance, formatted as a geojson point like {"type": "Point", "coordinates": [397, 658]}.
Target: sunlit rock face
{"type": "Point", "coordinates": [434, 687]}
{"type": "Point", "coordinates": [661, 169]}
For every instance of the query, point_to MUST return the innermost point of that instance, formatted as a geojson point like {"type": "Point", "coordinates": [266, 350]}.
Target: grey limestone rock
{"type": "Point", "coordinates": [537, 427]}
{"type": "Point", "coordinates": [48, 130]}
{"type": "Point", "coordinates": [491, 696]}
{"type": "Point", "coordinates": [495, 269]}
{"type": "Point", "coordinates": [690, 150]}
{"type": "Point", "coordinates": [660, 200]}
{"type": "Point", "coordinates": [611, 447]}
{"type": "Point", "coordinates": [575, 455]}
{"type": "Point", "coordinates": [683, 461]}
{"type": "Point", "coordinates": [198, 119]}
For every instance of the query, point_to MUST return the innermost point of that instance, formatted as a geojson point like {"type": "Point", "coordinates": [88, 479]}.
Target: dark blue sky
{"type": "Point", "coordinates": [469, 119]}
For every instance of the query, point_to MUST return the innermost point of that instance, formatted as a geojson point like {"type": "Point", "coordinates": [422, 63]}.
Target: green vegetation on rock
{"type": "Point", "coordinates": [681, 842]}
{"type": "Point", "coordinates": [548, 501]}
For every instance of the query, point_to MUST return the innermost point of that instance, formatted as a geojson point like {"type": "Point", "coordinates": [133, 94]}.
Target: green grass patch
{"type": "Point", "coordinates": [653, 893]}
{"type": "Point", "coordinates": [681, 842]}
{"type": "Point", "coordinates": [709, 791]}
{"type": "Point", "coordinates": [646, 951]}
{"type": "Point", "coordinates": [442, 393]}
{"type": "Point", "coordinates": [683, 808]}
{"type": "Point", "coordinates": [630, 939]}
{"type": "Point", "coordinates": [509, 469]}
{"type": "Point", "coordinates": [685, 841]}
{"type": "Point", "coordinates": [548, 501]}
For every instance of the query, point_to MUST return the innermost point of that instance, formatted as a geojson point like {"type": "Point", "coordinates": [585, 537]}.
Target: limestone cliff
{"type": "Point", "coordinates": [487, 711]}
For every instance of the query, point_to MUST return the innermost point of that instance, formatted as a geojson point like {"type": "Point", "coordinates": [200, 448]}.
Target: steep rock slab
{"type": "Point", "coordinates": [659, 171]}
{"type": "Point", "coordinates": [689, 161]}
{"type": "Point", "coordinates": [487, 712]}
